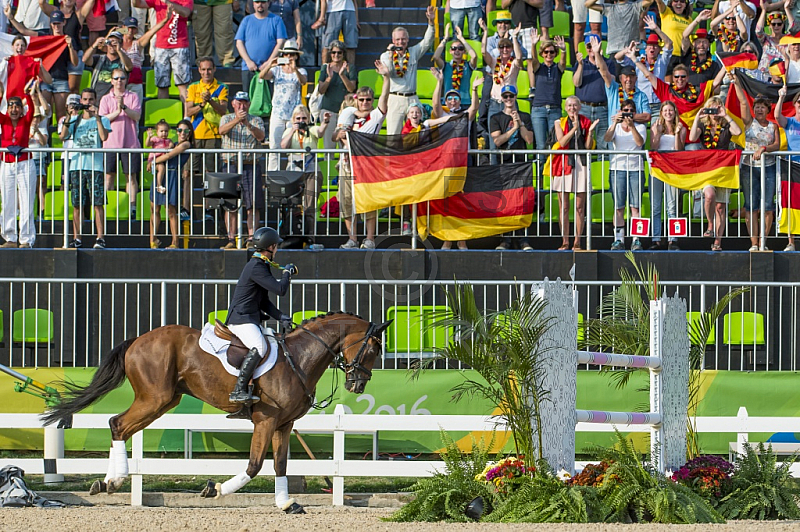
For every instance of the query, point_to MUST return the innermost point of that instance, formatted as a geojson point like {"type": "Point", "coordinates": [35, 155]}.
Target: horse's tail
{"type": "Point", "coordinates": [109, 376]}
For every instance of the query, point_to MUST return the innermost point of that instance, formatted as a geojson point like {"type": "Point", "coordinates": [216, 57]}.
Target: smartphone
{"type": "Point", "coordinates": [709, 111]}
{"type": "Point", "coordinates": [283, 61]}
{"type": "Point", "coordinates": [627, 115]}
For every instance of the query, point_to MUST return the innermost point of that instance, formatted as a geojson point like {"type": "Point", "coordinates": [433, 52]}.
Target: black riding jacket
{"type": "Point", "coordinates": [251, 296]}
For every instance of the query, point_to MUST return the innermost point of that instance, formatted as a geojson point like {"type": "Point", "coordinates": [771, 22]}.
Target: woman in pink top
{"type": "Point", "coordinates": [123, 109]}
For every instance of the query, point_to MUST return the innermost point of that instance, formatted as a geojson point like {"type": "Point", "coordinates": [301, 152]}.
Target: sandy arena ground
{"type": "Point", "coordinates": [108, 518]}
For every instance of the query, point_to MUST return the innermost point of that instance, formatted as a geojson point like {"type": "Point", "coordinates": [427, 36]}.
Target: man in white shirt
{"type": "Point", "coordinates": [368, 119]}
{"type": "Point", "coordinates": [401, 62]}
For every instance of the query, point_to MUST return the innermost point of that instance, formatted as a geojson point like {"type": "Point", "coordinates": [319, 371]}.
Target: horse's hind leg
{"type": "Point", "coordinates": [141, 413]}
{"type": "Point", "coordinates": [263, 427]}
{"type": "Point", "coordinates": [280, 452]}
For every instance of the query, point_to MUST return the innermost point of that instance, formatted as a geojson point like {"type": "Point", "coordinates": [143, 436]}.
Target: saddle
{"type": "Point", "coordinates": [237, 350]}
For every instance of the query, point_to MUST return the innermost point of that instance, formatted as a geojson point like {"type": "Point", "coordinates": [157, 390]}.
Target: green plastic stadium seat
{"type": "Point", "coordinates": [323, 197]}
{"type": "Point", "coordinates": [220, 315]}
{"type": "Point", "coordinates": [490, 18]}
{"type": "Point", "coordinates": [436, 337]}
{"type": "Point", "coordinates": [54, 205]}
{"type": "Point", "coordinates": [370, 78]}
{"type": "Point", "coordinates": [55, 171]}
{"type": "Point", "coordinates": [150, 89]}
{"type": "Point", "coordinates": [300, 315]}
{"type": "Point", "coordinates": [602, 207]}
{"type": "Point", "coordinates": [686, 209]}
{"type": "Point", "coordinates": [405, 332]}
{"type": "Point", "coordinates": [743, 328]}
{"type": "Point", "coordinates": [523, 85]}
{"type": "Point", "coordinates": [33, 325]}
{"type": "Point", "coordinates": [143, 207]}
{"type": "Point", "coordinates": [86, 79]}
{"type": "Point", "coordinates": [567, 86]}
{"type": "Point", "coordinates": [644, 208]}
{"type": "Point", "coordinates": [692, 317]}
{"type": "Point", "coordinates": [599, 171]}
{"type": "Point", "coordinates": [118, 205]}
{"type": "Point", "coordinates": [581, 331]}
{"type": "Point", "coordinates": [169, 110]}
{"type": "Point", "coordinates": [561, 25]}
{"type": "Point", "coordinates": [735, 204]}
{"type": "Point", "coordinates": [551, 213]}
{"type": "Point", "coordinates": [425, 84]}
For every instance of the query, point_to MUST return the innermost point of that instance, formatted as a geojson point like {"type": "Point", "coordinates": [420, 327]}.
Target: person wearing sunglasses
{"type": "Point", "coordinates": [337, 79]}
{"type": "Point", "coordinates": [730, 31]}
{"type": "Point", "coordinates": [87, 129]}
{"type": "Point", "coordinates": [675, 16]}
{"type": "Point", "coordinates": [456, 73]}
{"type": "Point", "coordinates": [744, 9]}
{"type": "Point", "coordinates": [401, 62]}
{"type": "Point", "coordinates": [624, 89]}
{"type": "Point", "coordinates": [502, 24]}
{"type": "Point", "coordinates": [657, 57]}
{"type": "Point", "coordinates": [771, 50]}
{"type": "Point", "coordinates": [545, 78]}
{"type": "Point", "coordinates": [176, 161]}
{"type": "Point", "coordinates": [123, 109]}
{"type": "Point", "coordinates": [590, 86]}
{"type": "Point", "coordinates": [368, 119]}
{"type": "Point", "coordinates": [104, 64]}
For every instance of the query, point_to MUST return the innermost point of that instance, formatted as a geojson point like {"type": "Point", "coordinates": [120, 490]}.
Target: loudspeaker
{"type": "Point", "coordinates": [284, 188]}
{"type": "Point", "coordinates": [222, 186]}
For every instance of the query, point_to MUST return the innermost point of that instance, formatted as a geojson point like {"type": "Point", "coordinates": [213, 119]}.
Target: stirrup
{"type": "Point", "coordinates": [246, 412]}
{"type": "Point", "coordinates": [245, 397]}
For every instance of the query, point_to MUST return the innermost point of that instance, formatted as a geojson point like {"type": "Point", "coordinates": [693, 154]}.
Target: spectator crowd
{"type": "Point", "coordinates": [644, 75]}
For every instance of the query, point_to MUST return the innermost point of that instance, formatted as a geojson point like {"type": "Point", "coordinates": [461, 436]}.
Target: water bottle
{"type": "Point", "coordinates": [315, 247]}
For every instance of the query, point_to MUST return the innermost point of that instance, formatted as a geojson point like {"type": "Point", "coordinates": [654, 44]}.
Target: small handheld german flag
{"type": "Point", "coordinates": [790, 39]}
{"type": "Point", "coordinates": [745, 60]}
{"type": "Point", "coordinates": [778, 68]}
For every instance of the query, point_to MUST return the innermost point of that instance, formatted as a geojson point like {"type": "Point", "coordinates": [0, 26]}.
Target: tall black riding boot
{"type": "Point", "coordinates": [241, 394]}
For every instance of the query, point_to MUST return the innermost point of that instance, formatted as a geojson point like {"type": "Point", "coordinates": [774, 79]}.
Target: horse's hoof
{"type": "Point", "coordinates": [114, 484]}
{"type": "Point", "coordinates": [294, 508]}
{"type": "Point", "coordinates": [98, 486]}
{"type": "Point", "coordinates": [211, 491]}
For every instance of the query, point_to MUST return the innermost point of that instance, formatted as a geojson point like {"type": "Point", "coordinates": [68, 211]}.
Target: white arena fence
{"type": "Point", "coordinates": [758, 331]}
{"type": "Point", "coordinates": [339, 424]}
{"type": "Point", "coordinates": [206, 220]}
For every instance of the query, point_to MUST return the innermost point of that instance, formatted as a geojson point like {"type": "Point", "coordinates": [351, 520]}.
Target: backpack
{"type": "Point", "coordinates": [14, 492]}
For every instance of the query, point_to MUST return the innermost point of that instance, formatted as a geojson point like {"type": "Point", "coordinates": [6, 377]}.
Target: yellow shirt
{"type": "Point", "coordinates": [206, 121]}
{"type": "Point", "coordinates": [673, 25]}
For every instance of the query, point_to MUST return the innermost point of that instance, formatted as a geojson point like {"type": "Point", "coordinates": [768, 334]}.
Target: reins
{"type": "Point", "coordinates": [338, 363]}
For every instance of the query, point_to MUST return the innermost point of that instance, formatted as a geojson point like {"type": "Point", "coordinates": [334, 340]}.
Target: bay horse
{"type": "Point", "coordinates": [167, 362]}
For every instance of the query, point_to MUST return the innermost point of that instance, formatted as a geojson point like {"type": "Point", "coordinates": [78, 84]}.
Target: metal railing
{"type": "Point", "coordinates": [89, 317]}
{"type": "Point", "coordinates": [128, 209]}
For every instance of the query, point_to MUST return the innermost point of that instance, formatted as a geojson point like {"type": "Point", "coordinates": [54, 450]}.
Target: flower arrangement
{"type": "Point", "coordinates": [592, 475]}
{"type": "Point", "coordinates": [709, 476]}
{"type": "Point", "coordinates": [506, 474]}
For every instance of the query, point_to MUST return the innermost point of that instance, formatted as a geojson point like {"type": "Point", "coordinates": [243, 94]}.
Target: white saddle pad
{"type": "Point", "coordinates": [214, 345]}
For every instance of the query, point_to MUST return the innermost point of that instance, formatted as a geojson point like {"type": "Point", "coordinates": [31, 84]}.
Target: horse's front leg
{"type": "Point", "coordinates": [263, 428]}
{"type": "Point", "coordinates": [280, 451]}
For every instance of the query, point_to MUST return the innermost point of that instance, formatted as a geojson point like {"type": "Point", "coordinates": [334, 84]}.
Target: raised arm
{"type": "Point", "coordinates": [383, 101]}
{"type": "Point", "coordinates": [592, 4]}
{"type": "Point", "coordinates": [473, 58]}
{"type": "Point", "coordinates": [484, 38]}
{"type": "Point", "coordinates": [704, 15]}
{"type": "Point", "coordinates": [144, 40]}
{"type": "Point", "coordinates": [779, 107]}
{"type": "Point", "coordinates": [533, 62]}
{"type": "Point", "coordinates": [744, 108]}
{"type": "Point", "coordinates": [718, 79]}
{"type": "Point", "coordinates": [183, 11]}
{"type": "Point", "coordinates": [476, 100]}
{"type": "Point", "coordinates": [600, 62]}
{"type": "Point", "coordinates": [436, 98]}
{"type": "Point", "coordinates": [631, 54]}
{"type": "Point", "coordinates": [661, 6]}
{"type": "Point", "coordinates": [650, 23]}
{"type": "Point", "coordinates": [17, 24]}
{"type": "Point", "coordinates": [762, 17]}
{"type": "Point", "coordinates": [438, 53]}
{"type": "Point", "coordinates": [577, 75]}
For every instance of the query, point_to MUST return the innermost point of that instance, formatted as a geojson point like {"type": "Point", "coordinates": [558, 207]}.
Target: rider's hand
{"type": "Point", "coordinates": [286, 321]}
{"type": "Point", "coordinates": [291, 269]}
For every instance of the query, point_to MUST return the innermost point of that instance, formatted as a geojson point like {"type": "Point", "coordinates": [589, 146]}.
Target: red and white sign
{"type": "Point", "coordinates": [677, 227]}
{"type": "Point", "coordinates": [640, 227]}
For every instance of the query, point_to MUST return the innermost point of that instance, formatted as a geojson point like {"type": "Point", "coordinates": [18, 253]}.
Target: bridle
{"type": "Point", "coordinates": [349, 368]}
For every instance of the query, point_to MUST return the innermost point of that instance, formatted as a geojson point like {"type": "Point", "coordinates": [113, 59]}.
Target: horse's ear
{"type": "Point", "coordinates": [383, 326]}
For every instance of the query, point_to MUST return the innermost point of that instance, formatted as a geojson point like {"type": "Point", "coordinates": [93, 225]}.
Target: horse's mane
{"type": "Point", "coordinates": [331, 313]}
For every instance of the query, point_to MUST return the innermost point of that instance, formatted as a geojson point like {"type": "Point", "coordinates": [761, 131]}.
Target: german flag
{"type": "Point", "coordinates": [733, 60]}
{"type": "Point", "coordinates": [778, 68]}
{"type": "Point", "coordinates": [395, 170]}
{"type": "Point", "coordinates": [687, 107]}
{"type": "Point", "coordinates": [789, 220]}
{"type": "Point", "coordinates": [692, 170]}
{"type": "Point", "coordinates": [495, 200]}
{"type": "Point", "coordinates": [790, 39]}
{"type": "Point", "coordinates": [752, 89]}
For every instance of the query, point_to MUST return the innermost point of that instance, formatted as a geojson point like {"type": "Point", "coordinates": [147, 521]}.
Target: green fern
{"type": "Point", "coordinates": [761, 488]}
{"type": "Point", "coordinates": [445, 496]}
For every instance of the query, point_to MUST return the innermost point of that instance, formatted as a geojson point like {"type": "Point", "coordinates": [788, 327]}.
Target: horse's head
{"type": "Point", "coordinates": [360, 349]}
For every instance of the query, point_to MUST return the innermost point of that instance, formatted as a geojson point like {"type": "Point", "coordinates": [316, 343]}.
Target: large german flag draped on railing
{"type": "Point", "coordinates": [692, 170]}
{"type": "Point", "coordinates": [752, 89]}
{"type": "Point", "coordinates": [394, 170]}
{"type": "Point", "coordinates": [495, 200]}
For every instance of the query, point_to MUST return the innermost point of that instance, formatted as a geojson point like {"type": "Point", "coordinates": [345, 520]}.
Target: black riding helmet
{"type": "Point", "coordinates": [265, 237]}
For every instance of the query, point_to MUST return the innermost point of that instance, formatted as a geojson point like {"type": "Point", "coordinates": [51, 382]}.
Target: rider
{"type": "Point", "coordinates": [251, 305]}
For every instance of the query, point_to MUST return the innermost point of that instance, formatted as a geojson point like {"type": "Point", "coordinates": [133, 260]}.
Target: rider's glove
{"type": "Point", "coordinates": [291, 269]}
{"type": "Point", "coordinates": [286, 321]}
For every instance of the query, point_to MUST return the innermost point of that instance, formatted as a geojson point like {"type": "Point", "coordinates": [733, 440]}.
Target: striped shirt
{"type": "Point", "coordinates": [240, 137]}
